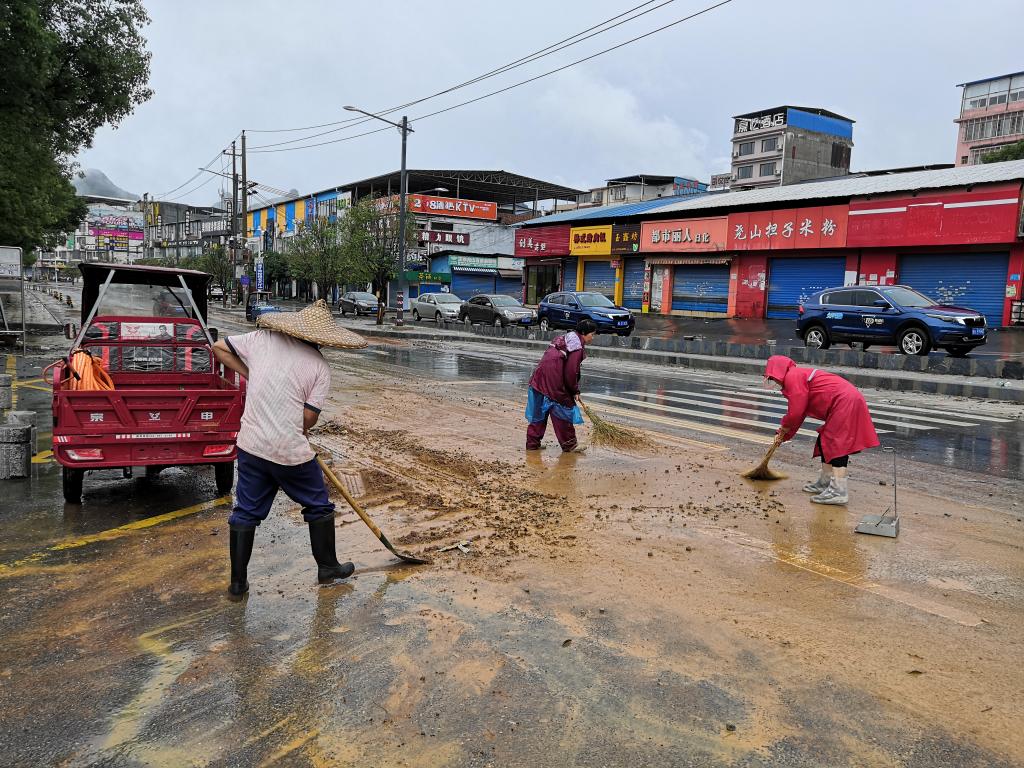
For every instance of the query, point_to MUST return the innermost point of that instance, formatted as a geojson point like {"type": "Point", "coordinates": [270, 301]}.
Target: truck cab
{"type": "Point", "coordinates": [171, 403]}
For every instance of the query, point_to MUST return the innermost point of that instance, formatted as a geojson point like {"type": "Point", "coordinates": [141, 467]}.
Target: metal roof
{"type": "Point", "coordinates": [812, 110]}
{"type": "Point", "coordinates": [650, 178]}
{"type": "Point", "coordinates": [987, 79]}
{"type": "Point", "coordinates": [502, 187]}
{"type": "Point", "coordinates": [853, 186]}
{"type": "Point", "coordinates": [603, 212]}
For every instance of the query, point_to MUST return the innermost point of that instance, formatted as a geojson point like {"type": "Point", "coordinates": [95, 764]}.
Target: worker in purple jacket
{"type": "Point", "coordinates": [555, 386]}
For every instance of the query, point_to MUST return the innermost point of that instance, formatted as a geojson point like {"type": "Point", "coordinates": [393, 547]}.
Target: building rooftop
{"type": "Point", "coordinates": [987, 79]}
{"type": "Point", "coordinates": [604, 211]}
{"type": "Point", "coordinates": [812, 110]}
{"type": "Point", "coordinates": [857, 185]}
{"type": "Point", "coordinates": [501, 187]}
{"type": "Point", "coordinates": [648, 178]}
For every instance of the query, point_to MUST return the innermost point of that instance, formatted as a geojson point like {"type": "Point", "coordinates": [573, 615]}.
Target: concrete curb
{"type": "Point", "coordinates": [638, 350]}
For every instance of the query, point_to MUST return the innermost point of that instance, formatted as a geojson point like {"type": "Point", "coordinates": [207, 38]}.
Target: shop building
{"type": "Point", "coordinates": [954, 234]}
{"type": "Point", "coordinates": [469, 274]}
{"type": "Point", "coordinates": [991, 116]}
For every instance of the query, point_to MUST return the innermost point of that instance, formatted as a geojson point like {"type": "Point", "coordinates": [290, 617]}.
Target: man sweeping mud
{"type": "Point", "coordinates": [847, 429]}
{"type": "Point", "coordinates": [555, 386]}
{"type": "Point", "coordinates": [288, 384]}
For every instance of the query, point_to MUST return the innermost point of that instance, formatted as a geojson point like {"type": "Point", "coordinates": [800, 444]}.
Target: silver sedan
{"type": "Point", "coordinates": [440, 307]}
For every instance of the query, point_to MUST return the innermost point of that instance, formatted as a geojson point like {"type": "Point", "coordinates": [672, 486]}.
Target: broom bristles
{"type": "Point", "coordinates": [604, 433]}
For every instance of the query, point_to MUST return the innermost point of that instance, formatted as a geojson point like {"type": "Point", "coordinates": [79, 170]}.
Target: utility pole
{"type": "Point", "coordinates": [245, 197]}
{"type": "Point", "coordinates": [234, 215]}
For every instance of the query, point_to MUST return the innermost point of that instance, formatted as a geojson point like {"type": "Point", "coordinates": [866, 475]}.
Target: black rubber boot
{"type": "Point", "coordinates": [321, 540]}
{"type": "Point", "coordinates": [241, 549]}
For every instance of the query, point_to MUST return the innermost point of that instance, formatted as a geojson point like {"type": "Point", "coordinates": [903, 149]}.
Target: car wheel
{"type": "Point", "coordinates": [416, 315]}
{"type": "Point", "coordinates": [224, 472]}
{"type": "Point", "coordinates": [958, 351]}
{"type": "Point", "coordinates": [467, 321]}
{"type": "Point", "coordinates": [914, 341]}
{"type": "Point", "coordinates": [816, 337]}
{"type": "Point", "coordinates": [544, 325]}
{"type": "Point", "coordinates": [344, 312]}
{"type": "Point", "coordinates": [72, 484]}
{"type": "Point", "coordinates": [498, 323]}
{"type": "Point", "coordinates": [438, 319]}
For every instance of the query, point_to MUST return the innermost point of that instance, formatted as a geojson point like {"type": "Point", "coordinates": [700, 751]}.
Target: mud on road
{"type": "Point", "coordinates": [613, 609]}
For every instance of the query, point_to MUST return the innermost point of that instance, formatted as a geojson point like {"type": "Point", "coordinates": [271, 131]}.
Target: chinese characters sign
{"type": "Point", "coordinates": [625, 238]}
{"type": "Point", "coordinates": [543, 241]}
{"type": "Point", "coordinates": [450, 206]}
{"type": "Point", "coordinates": [444, 238]}
{"type": "Point", "coordinates": [591, 241]}
{"type": "Point", "coordinates": [683, 235]}
{"type": "Point", "coordinates": [819, 227]}
{"type": "Point", "coordinates": [769, 120]}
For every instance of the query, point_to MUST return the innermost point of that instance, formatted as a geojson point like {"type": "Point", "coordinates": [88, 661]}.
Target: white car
{"type": "Point", "coordinates": [440, 307]}
{"type": "Point", "coordinates": [216, 292]}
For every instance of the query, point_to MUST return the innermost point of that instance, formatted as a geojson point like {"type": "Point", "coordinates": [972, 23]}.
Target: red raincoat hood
{"type": "Point", "coordinates": [777, 368]}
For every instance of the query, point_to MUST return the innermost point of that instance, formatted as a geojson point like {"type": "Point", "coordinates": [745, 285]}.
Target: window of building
{"type": "Point", "coordinates": [980, 152]}
{"type": "Point", "coordinates": [770, 145]}
{"type": "Point", "coordinates": [619, 193]}
{"type": "Point", "coordinates": [746, 148]}
{"type": "Point", "coordinates": [993, 126]}
{"type": "Point", "coordinates": [767, 169]}
{"type": "Point", "coordinates": [597, 196]}
{"type": "Point", "coordinates": [745, 172]}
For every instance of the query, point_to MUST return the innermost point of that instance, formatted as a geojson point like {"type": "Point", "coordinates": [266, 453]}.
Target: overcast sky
{"type": "Point", "coordinates": [661, 105]}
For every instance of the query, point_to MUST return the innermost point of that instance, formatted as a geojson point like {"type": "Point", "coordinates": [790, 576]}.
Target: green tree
{"type": "Point", "coordinates": [372, 239]}
{"type": "Point", "coordinates": [275, 268]}
{"type": "Point", "coordinates": [216, 262]}
{"type": "Point", "coordinates": [70, 66]}
{"type": "Point", "coordinates": [29, 258]}
{"type": "Point", "coordinates": [1011, 152]}
{"type": "Point", "coordinates": [318, 254]}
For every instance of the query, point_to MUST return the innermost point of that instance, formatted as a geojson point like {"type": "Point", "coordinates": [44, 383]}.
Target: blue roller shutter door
{"type": "Point", "coordinates": [701, 288]}
{"type": "Point", "coordinates": [509, 286]}
{"type": "Point", "coordinates": [469, 284]}
{"type": "Point", "coordinates": [430, 288]}
{"type": "Point", "coordinates": [633, 290]}
{"type": "Point", "coordinates": [972, 280]}
{"type": "Point", "coordinates": [569, 275]}
{"type": "Point", "coordinates": [599, 276]}
{"type": "Point", "coordinates": [792, 281]}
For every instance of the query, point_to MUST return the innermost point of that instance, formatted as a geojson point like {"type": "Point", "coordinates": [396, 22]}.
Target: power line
{"type": "Point", "coordinates": [561, 45]}
{"type": "Point", "coordinates": [518, 84]}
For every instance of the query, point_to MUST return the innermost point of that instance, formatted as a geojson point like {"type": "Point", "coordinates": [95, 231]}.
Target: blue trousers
{"type": "Point", "coordinates": [259, 481]}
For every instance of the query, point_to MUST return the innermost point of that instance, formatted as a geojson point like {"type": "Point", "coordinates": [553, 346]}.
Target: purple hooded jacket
{"type": "Point", "coordinates": [558, 372]}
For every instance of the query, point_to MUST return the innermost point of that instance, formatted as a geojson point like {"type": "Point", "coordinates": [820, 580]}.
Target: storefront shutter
{"type": "Point", "coordinates": [569, 275]}
{"type": "Point", "coordinates": [430, 288]}
{"type": "Point", "coordinates": [700, 288]}
{"type": "Point", "coordinates": [792, 281]}
{"type": "Point", "coordinates": [971, 280]}
{"type": "Point", "coordinates": [469, 284]}
{"type": "Point", "coordinates": [599, 276]}
{"type": "Point", "coordinates": [633, 290]}
{"type": "Point", "coordinates": [509, 286]}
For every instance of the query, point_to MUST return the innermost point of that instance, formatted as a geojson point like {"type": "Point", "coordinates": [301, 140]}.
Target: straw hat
{"type": "Point", "coordinates": [315, 323]}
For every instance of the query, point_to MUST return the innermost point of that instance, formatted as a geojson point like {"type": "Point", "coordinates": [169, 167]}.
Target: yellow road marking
{"type": "Point", "coordinates": [47, 390]}
{"type": "Point", "coordinates": [12, 369]}
{"type": "Point", "coordinates": [114, 533]}
{"type": "Point", "coordinates": [43, 457]}
{"type": "Point", "coordinates": [26, 382]}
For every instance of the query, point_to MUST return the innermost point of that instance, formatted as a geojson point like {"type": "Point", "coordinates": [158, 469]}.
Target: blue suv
{"type": "Point", "coordinates": [887, 316]}
{"type": "Point", "coordinates": [565, 309]}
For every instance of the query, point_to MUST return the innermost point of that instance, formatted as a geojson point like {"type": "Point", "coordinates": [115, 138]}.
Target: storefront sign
{"type": "Point", "coordinates": [130, 234]}
{"type": "Point", "coordinates": [543, 241]}
{"type": "Point", "coordinates": [645, 304]}
{"type": "Point", "coordinates": [484, 262]}
{"type": "Point", "coordinates": [510, 262]}
{"type": "Point", "coordinates": [450, 206]}
{"type": "Point", "coordinates": [720, 181]}
{"type": "Point", "coordinates": [591, 241]}
{"type": "Point", "coordinates": [820, 227]}
{"type": "Point", "coordinates": [625, 238]}
{"type": "Point", "coordinates": [428, 277]}
{"type": "Point", "coordinates": [764, 120]}
{"type": "Point", "coordinates": [952, 217]}
{"type": "Point", "coordinates": [683, 235]}
{"type": "Point", "coordinates": [444, 238]}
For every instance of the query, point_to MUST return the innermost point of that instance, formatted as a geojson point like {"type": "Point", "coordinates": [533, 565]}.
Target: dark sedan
{"type": "Point", "coordinates": [497, 310]}
{"type": "Point", "coordinates": [358, 303]}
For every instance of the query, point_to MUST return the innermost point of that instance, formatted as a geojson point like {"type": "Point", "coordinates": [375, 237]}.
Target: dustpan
{"type": "Point", "coordinates": [888, 523]}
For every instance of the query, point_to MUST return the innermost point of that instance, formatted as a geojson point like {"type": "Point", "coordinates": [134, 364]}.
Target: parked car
{"type": "Point", "coordinates": [889, 315]}
{"type": "Point", "coordinates": [358, 303]}
{"type": "Point", "coordinates": [497, 310]}
{"type": "Point", "coordinates": [258, 303]}
{"type": "Point", "coordinates": [439, 307]}
{"type": "Point", "coordinates": [216, 292]}
{"type": "Point", "coordinates": [565, 309]}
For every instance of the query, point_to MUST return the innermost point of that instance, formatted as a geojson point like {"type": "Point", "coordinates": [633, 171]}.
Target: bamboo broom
{"type": "Point", "coordinates": [604, 433]}
{"type": "Point", "coordinates": [761, 471]}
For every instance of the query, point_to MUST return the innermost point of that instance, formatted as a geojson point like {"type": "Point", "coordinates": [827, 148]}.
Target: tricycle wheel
{"type": "Point", "coordinates": [225, 474]}
{"type": "Point", "coordinates": [72, 483]}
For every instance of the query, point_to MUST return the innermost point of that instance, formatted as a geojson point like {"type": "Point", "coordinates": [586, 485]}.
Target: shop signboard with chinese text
{"type": "Point", "coordinates": [591, 241]}
{"type": "Point", "coordinates": [427, 277]}
{"type": "Point", "coordinates": [817, 227]}
{"type": "Point", "coordinates": [683, 235]}
{"type": "Point", "coordinates": [763, 120]}
{"type": "Point", "coordinates": [450, 206]}
{"type": "Point", "coordinates": [625, 239]}
{"type": "Point", "coordinates": [720, 181]}
{"type": "Point", "coordinates": [444, 238]}
{"type": "Point", "coordinates": [542, 241]}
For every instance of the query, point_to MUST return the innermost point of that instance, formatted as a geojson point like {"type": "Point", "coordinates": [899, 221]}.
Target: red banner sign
{"type": "Point", "coordinates": [683, 235]}
{"type": "Point", "coordinates": [819, 227]}
{"type": "Point", "coordinates": [543, 241]}
{"type": "Point", "coordinates": [450, 206]}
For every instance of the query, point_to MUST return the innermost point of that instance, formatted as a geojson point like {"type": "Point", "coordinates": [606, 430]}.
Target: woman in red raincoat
{"type": "Point", "coordinates": [847, 429]}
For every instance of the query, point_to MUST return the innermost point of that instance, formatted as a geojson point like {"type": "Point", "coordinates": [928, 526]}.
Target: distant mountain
{"type": "Point", "coordinates": [95, 182]}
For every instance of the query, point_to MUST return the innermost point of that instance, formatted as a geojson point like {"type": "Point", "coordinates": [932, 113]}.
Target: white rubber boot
{"type": "Point", "coordinates": [819, 485]}
{"type": "Point", "coordinates": [837, 492]}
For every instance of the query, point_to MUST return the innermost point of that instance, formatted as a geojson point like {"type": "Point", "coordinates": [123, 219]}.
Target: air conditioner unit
{"type": "Point", "coordinates": [778, 173]}
{"type": "Point", "coordinates": [736, 152]}
{"type": "Point", "coordinates": [732, 177]}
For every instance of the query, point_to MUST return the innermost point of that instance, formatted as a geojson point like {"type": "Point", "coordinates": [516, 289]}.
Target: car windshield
{"type": "Point", "coordinates": [505, 301]}
{"type": "Point", "coordinates": [908, 298]}
{"type": "Point", "coordinates": [447, 298]}
{"type": "Point", "coordinates": [594, 300]}
{"type": "Point", "coordinates": [363, 296]}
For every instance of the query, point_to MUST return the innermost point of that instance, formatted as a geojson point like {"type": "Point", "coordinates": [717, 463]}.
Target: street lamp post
{"type": "Point", "coordinates": [403, 184]}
